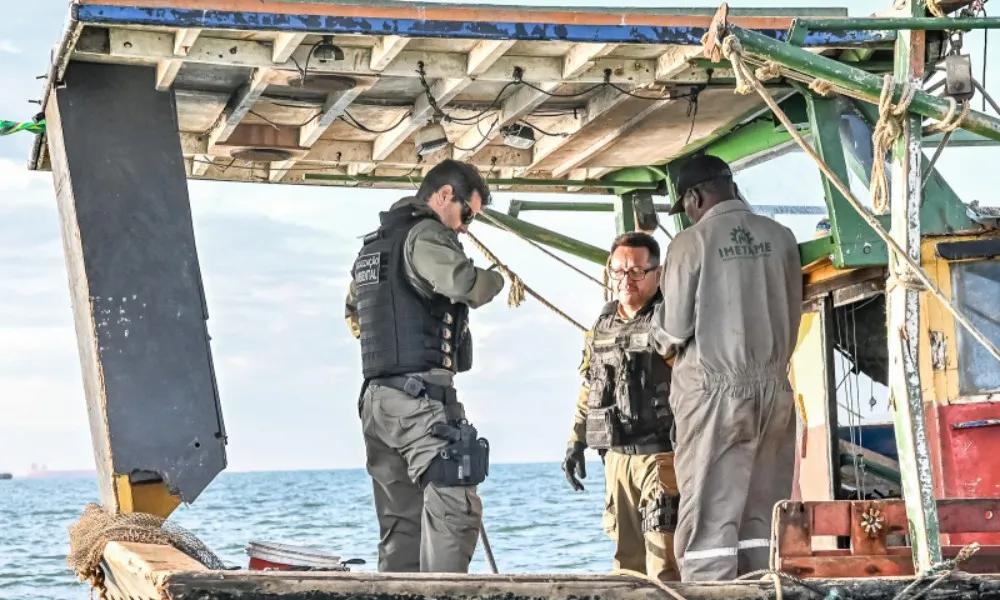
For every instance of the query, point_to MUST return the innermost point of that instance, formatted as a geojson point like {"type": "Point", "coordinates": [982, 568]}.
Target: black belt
{"type": "Point", "coordinates": [417, 387]}
{"type": "Point", "coordinates": [653, 448]}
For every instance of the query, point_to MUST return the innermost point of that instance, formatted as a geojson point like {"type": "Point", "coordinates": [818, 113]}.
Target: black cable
{"type": "Point", "coordinates": [350, 120]}
{"type": "Point", "coordinates": [542, 131]}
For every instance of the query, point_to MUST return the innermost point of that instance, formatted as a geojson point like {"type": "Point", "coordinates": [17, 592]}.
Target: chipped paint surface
{"type": "Point", "coordinates": [939, 358]}
{"type": "Point", "coordinates": [253, 21]}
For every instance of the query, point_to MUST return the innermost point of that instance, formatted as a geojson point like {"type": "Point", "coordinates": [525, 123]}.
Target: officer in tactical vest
{"type": "Point", "coordinates": [409, 299]}
{"type": "Point", "coordinates": [623, 413]}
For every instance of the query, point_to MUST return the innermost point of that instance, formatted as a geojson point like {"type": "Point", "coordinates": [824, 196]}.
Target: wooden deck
{"type": "Point", "coordinates": [602, 89]}
{"type": "Point", "coordinates": [148, 572]}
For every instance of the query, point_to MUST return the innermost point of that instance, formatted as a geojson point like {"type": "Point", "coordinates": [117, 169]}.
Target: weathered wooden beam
{"type": "Point", "coordinates": [602, 103]}
{"type": "Point", "coordinates": [581, 56]}
{"type": "Point", "coordinates": [518, 104]}
{"type": "Point", "coordinates": [167, 68]}
{"type": "Point", "coordinates": [482, 56]}
{"type": "Point", "coordinates": [164, 573]}
{"type": "Point", "coordinates": [335, 105]}
{"type": "Point", "coordinates": [145, 47]}
{"type": "Point", "coordinates": [242, 102]}
{"type": "Point", "coordinates": [585, 154]}
{"type": "Point", "coordinates": [903, 310]}
{"type": "Point", "coordinates": [386, 50]}
{"type": "Point", "coordinates": [285, 44]}
{"type": "Point", "coordinates": [339, 152]}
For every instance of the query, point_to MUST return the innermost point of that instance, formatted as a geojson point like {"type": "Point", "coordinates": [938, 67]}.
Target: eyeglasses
{"type": "Point", "coordinates": [635, 273]}
{"type": "Point", "coordinates": [467, 215]}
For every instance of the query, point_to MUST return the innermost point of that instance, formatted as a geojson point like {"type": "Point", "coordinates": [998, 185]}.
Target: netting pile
{"type": "Point", "coordinates": [95, 528]}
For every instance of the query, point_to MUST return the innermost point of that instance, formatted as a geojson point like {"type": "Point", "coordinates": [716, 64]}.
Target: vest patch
{"type": "Point", "coordinates": [367, 269]}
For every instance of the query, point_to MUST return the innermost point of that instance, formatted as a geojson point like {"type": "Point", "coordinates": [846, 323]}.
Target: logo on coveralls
{"type": "Point", "coordinates": [744, 246]}
{"type": "Point", "coordinates": [367, 269]}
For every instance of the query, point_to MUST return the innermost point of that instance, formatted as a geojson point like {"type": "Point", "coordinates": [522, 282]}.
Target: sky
{"type": "Point", "coordinates": [274, 261]}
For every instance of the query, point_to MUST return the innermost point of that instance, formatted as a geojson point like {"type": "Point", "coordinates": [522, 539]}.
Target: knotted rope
{"type": "Point", "coordinates": [733, 51]}
{"type": "Point", "coordinates": [887, 130]}
{"type": "Point", "coordinates": [518, 288]}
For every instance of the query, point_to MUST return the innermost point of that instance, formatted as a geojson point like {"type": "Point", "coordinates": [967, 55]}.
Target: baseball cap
{"type": "Point", "coordinates": [695, 170]}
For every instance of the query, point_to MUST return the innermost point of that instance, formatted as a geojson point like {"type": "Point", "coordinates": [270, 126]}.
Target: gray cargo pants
{"type": "Point", "coordinates": [433, 529]}
{"type": "Point", "coordinates": [734, 458]}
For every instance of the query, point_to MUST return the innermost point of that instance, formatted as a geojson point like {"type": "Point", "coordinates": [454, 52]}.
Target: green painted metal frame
{"type": "Point", "coordinates": [547, 237]}
{"type": "Point", "coordinates": [854, 242]}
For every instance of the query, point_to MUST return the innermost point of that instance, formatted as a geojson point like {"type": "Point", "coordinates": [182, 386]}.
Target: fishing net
{"type": "Point", "coordinates": [96, 527]}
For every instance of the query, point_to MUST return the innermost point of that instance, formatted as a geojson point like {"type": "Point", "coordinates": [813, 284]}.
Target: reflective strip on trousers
{"type": "Point", "coordinates": [730, 551]}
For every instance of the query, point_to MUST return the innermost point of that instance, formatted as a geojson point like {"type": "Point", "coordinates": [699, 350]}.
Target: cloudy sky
{"type": "Point", "coordinates": [274, 262]}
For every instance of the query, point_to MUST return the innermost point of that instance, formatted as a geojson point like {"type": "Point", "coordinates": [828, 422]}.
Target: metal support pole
{"type": "Point", "coordinates": [624, 213]}
{"type": "Point", "coordinates": [851, 81]}
{"type": "Point", "coordinates": [548, 237]}
{"type": "Point", "coordinates": [903, 312]}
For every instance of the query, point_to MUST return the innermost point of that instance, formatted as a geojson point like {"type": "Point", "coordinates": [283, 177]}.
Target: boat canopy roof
{"type": "Point", "coordinates": [351, 92]}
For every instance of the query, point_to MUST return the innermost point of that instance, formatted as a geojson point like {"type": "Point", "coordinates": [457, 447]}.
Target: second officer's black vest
{"type": "Point", "coordinates": [629, 382]}
{"type": "Point", "coordinates": [402, 331]}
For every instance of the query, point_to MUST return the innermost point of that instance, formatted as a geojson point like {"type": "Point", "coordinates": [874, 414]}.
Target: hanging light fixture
{"type": "Point", "coordinates": [518, 135]}
{"type": "Point", "coordinates": [430, 138]}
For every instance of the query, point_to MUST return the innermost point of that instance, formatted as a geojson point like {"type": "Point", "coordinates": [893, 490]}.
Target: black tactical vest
{"type": "Point", "coordinates": [401, 331]}
{"type": "Point", "coordinates": [629, 383]}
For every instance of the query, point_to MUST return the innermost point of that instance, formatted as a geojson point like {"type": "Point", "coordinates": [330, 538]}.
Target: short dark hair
{"type": "Point", "coordinates": [638, 239]}
{"type": "Point", "coordinates": [463, 178]}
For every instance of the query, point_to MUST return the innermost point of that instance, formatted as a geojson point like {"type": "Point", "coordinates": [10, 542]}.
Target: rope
{"type": "Point", "coordinates": [821, 86]}
{"type": "Point", "coordinates": [950, 123]}
{"type": "Point", "coordinates": [732, 49]}
{"type": "Point", "coordinates": [538, 246]}
{"type": "Point", "coordinates": [939, 573]}
{"type": "Point", "coordinates": [636, 574]}
{"type": "Point", "coordinates": [887, 130]}
{"type": "Point", "coordinates": [935, 9]}
{"type": "Point", "coordinates": [517, 287]}
{"type": "Point", "coordinates": [487, 549]}
{"type": "Point", "coordinates": [11, 127]}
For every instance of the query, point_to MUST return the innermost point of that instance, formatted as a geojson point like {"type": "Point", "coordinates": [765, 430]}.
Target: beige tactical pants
{"type": "Point", "coordinates": [632, 482]}
{"type": "Point", "coordinates": [430, 530]}
{"type": "Point", "coordinates": [735, 458]}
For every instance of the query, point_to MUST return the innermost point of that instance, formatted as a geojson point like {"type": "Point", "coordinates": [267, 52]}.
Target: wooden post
{"type": "Point", "coordinates": [903, 308]}
{"type": "Point", "coordinates": [136, 288]}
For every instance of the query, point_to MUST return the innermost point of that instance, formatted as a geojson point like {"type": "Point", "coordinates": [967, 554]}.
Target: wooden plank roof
{"type": "Point", "coordinates": [260, 98]}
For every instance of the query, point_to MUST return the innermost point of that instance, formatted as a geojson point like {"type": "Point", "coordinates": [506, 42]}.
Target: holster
{"type": "Point", "coordinates": [465, 461]}
{"type": "Point", "coordinates": [660, 514]}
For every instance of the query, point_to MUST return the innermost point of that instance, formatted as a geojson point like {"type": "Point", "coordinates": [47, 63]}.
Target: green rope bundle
{"type": "Point", "coordinates": [11, 127]}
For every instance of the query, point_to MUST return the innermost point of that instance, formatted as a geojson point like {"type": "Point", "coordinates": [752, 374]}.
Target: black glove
{"type": "Point", "coordinates": [575, 464]}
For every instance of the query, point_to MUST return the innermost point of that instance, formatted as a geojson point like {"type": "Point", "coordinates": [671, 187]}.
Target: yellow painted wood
{"type": "Point", "coordinates": [147, 497]}
{"type": "Point", "coordinates": [940, 386]}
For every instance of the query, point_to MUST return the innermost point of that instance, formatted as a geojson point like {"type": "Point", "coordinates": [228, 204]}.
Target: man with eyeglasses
{"type": "Point", "coordinates": [623, 413]}
{"type": "Point", "coordinates": [732, 287]}
{"type": "Point", "coordinates": [411, 290]}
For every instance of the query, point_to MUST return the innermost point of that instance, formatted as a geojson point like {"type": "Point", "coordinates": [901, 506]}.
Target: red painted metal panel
{"type": "Point", "coordinates": [969, 437]}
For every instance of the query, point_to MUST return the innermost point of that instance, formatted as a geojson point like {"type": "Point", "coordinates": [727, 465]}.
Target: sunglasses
{"type": "Point", "coordinates": [467, 215]}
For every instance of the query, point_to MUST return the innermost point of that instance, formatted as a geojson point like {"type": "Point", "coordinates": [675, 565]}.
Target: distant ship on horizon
{"type": "Point", "coordinates": [39, 471]}
{"type": "Point", "coordinates": [6, 476]}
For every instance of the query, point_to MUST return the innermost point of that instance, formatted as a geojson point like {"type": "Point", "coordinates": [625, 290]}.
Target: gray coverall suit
{"type": "Point", "coordinates": [434, 529]}
{"type": "Point", "coordinates": [733, 300]}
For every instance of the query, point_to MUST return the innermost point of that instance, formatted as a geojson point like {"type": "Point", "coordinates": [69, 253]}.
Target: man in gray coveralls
{"type": "Point", "coordinates": [409, 299]}
{"type": "Point", "coordinates": [732, 287]}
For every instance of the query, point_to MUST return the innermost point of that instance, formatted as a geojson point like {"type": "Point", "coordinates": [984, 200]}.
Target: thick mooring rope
{"type": "Point", "coordinates": [518, 288]}
{"type": "Point", "coordinates": [887, 130]}
{"type": "Point", "coordinates": [733, 51]}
